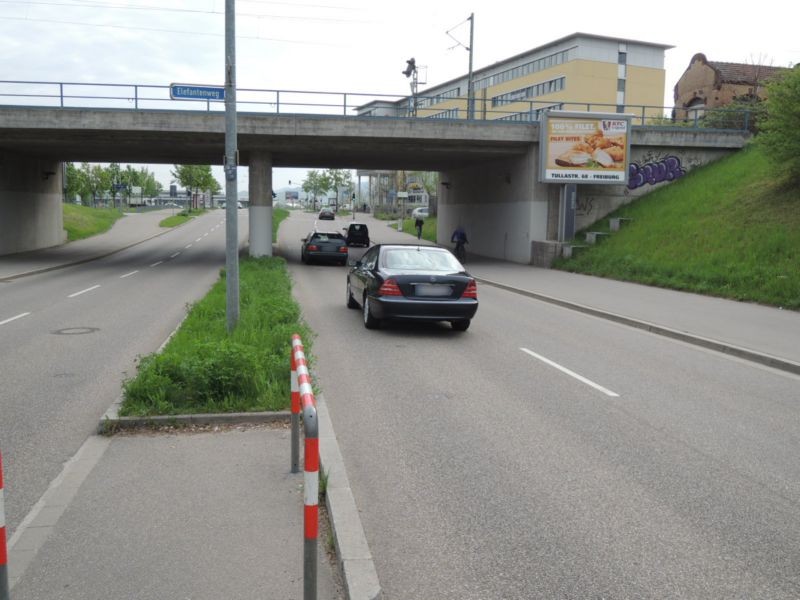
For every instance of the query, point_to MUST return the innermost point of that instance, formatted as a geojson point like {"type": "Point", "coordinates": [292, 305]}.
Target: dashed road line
{"type": "Point", "coordinates": [89, 289]}
{"type": "Point", "coordinates": [128, 274]}
{"type": "Point", "coordinates": [19, 316]}
{"type": "Point", "coordinates": [581, 378]}
{"type": "Point", "coordinates": [187, 246]}
{"type": "Point", "coordinates": [155, 264]}
{"type": "Point", "coordinates": [174, 255]}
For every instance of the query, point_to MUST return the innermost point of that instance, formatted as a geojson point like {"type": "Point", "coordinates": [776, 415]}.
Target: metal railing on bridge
{"type": "Point", "coordinates": [118, 96]}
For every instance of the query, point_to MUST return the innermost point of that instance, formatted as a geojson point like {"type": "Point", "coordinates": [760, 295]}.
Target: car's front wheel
{"type": "Point", "coordinates": [370, 322]}
{"type": "Point", "coordinates": [351, 302]}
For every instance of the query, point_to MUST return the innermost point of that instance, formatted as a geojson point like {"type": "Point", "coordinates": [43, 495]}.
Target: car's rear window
{"type": "Point", "coordinates": [423, 259]}
{"type": "Point", "coordinates": [326, 237]}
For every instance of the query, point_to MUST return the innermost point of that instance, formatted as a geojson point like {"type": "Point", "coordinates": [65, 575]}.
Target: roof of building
{"type": "Point", "coordinates": [490, 68]}
{"type": "Point", "coordinates": [739, 72]}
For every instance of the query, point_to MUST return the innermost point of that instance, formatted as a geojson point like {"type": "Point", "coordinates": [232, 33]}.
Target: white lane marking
{"type": "Point", "coordinates": [198, 239]}
{"type": "Point", "coordinates": [174, 255]}
{"type": "Point", "coordinates": [205, 234]}
{"type": "Point", "coordinates": [19, 316]}
{"type": "Point", "coordinates": [155, 264]}
{"type": "Point", "coordinates": [188, 246]}
{"type": "Point", "coordinates": [128, 274]}
{"type": "Point", "coordinates": [581, 378]}
{"type": "Point", "coordinates": [94, 287]}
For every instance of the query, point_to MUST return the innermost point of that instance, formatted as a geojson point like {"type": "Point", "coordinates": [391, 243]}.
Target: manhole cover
{"type": "Point", "coordinates": [75, 331]}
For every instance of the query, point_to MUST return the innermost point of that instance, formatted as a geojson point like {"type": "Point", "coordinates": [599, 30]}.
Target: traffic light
{"type": "Point", "coordinates": [274, 195]}
{"type": "Point", "coordinates": [412, 66]}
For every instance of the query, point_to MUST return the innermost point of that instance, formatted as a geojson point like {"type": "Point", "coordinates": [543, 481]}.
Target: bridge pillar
{"type": "Point", "coordinates": [260, 193]}
{"type": "Point", "coordinates": [31, 216]}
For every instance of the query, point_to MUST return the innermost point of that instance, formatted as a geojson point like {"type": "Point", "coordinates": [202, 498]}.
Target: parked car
{"type": "Point", "coordinates": [413, 283]}
{"type": "Point", "coordinates": [324, 246]}
{"type": "Point", "coordinates": [421, 212]}
{"type": "Point", "coordinates": [357, 234]}
{"type": "Point", "coordinates": [326, 214]}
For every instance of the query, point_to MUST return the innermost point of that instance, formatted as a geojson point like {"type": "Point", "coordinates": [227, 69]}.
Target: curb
{"type": "Point", "coordinates": [355, 560]}
{"type": "Point", "coordinates": [81, 261]}
{"type": "Point", "coordinates": [696, 340]}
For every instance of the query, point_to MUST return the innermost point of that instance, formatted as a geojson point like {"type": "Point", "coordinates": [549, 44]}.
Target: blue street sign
{"type": "Point", "coordinates": [181, 91]}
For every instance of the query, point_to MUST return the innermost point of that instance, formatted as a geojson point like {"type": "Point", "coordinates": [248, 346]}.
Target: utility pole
{"type": "Point", "coordinates": [231, 159]}
{"type": "Point", "coordinates": [470, 86]}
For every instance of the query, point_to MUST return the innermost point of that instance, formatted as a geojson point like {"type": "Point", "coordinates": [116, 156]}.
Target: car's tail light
{"type": "Point", "coordinates": [471, 291]}
{"type": "Point", "coordinates": [390, 288]}
{"type": "Point", "coordinates": [312, 247]}
{"type": "Point", "coordinates": [343, 249]}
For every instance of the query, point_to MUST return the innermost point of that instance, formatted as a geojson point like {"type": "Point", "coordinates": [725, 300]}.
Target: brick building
{"type": "Point", "coordinates": [706, 84]}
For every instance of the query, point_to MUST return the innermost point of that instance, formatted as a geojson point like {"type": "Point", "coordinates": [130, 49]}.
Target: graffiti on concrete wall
{"type": "Point", "coordinates": [583, 206]}
{"type": "Point", "coordinates": [651, 172]}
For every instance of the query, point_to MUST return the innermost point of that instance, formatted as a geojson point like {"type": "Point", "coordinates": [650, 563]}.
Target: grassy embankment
{"type": "Point", "coordinates": [204, 370]}
{"type": "Point", "coordinates": [727, 229]}
{"type": "Point", "coordinates": [428, 228]}
{"type": "Point", "coordinates": [83, 221]}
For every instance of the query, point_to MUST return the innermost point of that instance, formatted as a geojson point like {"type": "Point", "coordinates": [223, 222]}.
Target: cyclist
{"type": "Point", "coordinates": [459, 237]}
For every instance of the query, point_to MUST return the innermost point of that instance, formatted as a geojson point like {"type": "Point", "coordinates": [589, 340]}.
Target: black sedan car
{"type": "Point", "coordinates": [326, 214]}
{"type": "Point", "coordinates": [324, 246]}
{"type": "Point", "coordinates": [356, 234]}
{"type": "Point", "coordinates": [413, 283]}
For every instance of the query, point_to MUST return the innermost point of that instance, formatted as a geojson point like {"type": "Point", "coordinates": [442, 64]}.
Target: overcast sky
{"type": "Point", "coordinates": [355, 46]}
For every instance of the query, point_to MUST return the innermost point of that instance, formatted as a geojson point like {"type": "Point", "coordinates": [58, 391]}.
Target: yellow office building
{"type": "Point", "coordinates": [580, 72]}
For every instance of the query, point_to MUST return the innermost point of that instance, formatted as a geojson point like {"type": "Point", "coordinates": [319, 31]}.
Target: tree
{"type": "Point", "coordinates": [96, 179]}
{"type": "Point", "coordinates": [316, 183]}
{"type": "Point", "coordinates": [77, 182]}
{"type": "Point", "coordinates": [197, 178]}
{"type": "Point", "coordinates": [114, 173]}
{"type": "Point", "coordinates": [779, 127]}
{"type": "Point", "coordinates": [339, 179]}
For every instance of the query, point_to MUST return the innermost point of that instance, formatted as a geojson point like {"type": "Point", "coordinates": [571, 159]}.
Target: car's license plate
{"type": "Point", "coordinates": [436, 290]}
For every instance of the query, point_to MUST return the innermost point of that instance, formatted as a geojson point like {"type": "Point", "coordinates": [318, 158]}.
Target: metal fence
{"type": "Point", "coordinates": [349, 104]}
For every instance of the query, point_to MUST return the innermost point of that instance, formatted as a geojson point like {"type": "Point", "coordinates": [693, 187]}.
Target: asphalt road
{"type": "Point", "coordinates": [78, 334]}
{"type": "Point", "coordinates": [549, 454]}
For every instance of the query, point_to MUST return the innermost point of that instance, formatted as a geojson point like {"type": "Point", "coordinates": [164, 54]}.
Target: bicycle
{"type": "Point", "coordinates": [461, 252]}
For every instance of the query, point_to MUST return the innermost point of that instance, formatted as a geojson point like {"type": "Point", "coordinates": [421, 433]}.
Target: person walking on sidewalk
{"type": "Point", "coordinates": [418, 224]}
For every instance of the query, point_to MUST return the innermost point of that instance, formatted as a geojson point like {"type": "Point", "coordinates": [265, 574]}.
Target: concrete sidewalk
{"type": "Point", "coordinates": [131, 229]}
{"type": "Point", "coordinates": [184, 514]}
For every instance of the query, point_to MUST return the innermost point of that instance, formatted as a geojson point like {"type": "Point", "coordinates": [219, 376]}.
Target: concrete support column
{"type": "Point", "coordinates": [31, 216]}
{"type": "Point", "coordinates": [260, 194]}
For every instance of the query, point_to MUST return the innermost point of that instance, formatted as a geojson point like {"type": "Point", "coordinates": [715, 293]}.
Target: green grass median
{"type": "Point", "coordinates": [204, 370]}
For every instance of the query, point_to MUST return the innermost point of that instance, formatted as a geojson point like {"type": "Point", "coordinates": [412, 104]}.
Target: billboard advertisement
{"type": "Point", "coordinates": [584, 148]}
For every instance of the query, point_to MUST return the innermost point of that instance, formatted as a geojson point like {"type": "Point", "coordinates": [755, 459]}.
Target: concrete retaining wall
{"type": "Point", "coordinates": [31, 216]}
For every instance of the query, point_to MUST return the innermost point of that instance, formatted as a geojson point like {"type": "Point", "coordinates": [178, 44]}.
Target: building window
{"type": "Point", "coordinates": [445, 114]}
{"type": "Point", "coordinates": [620, 85]}
{"type": "Point", "coordinates": [431, 100]}
{"type": "Point", "coordinates": [622, 58]}
{"type": "Point", "coordinates": [533, 66]}
{"type": "Point", "coordinates": [526, 93]}
{"type": "Point", "coordinates": [531, 115]}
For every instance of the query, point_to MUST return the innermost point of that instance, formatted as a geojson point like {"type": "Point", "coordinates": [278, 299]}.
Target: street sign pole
{"type": "Point", "coordinates": [231, 156]}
